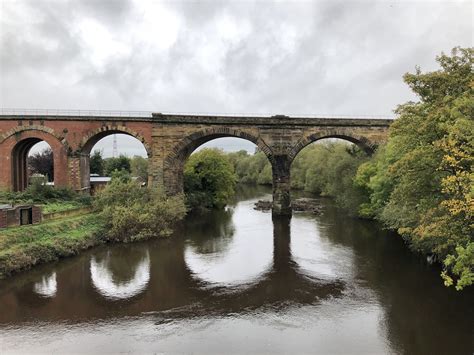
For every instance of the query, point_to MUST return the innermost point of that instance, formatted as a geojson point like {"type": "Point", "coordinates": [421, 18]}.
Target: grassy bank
{"type": "Point", "coordinates": [123, 212]}
{"type": "Point", "coordinates": [62, 206]}
{"type": "Point", "coordinates": [51, 200]}
{"type": "Point", "coordinates": [26, 246]}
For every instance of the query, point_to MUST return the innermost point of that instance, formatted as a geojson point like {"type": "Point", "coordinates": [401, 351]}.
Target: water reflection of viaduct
{"type": "Point", "coordinates": [169, 140]}
{"type": "Point", "coordinates": [381, 264]}
{"type": "Point", "coordinates": [121, 282]}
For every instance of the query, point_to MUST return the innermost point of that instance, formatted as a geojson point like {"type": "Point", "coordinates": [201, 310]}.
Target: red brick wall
{"type": "Point", "coordinates": [69, 139]}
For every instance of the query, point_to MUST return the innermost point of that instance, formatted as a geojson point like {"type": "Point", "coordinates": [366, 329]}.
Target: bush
{"type": "Point", "coordinates": [251, 169]}
{"type": "Point", "coordinates": [209, 179]}
{"type": "Point", "coordinates": [37, 192]}
{"type": "Point", "coordinates": [132, 213]}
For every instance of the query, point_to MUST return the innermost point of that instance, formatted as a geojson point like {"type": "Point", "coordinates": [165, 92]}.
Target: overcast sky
{"type": "Point", "coordinates": [320, 57]}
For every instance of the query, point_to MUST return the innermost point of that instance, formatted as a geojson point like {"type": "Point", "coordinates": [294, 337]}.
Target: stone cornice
{"type": "Point", "coordinates": [278, 120]}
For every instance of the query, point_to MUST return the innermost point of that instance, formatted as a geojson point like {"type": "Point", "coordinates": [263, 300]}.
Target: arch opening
{"type": "Point", "coordinates": [212, 174]}
{"type": "Point", "coordinates": [230, 142]}
{"type": "Point", "coordinates": [31, 158]}
{"type": "Point", "coordinates": [109, 151]}
{"type": "Point", "coordinates": [361, 142]}
{"type": "Point", "coordinates": [327, 166]}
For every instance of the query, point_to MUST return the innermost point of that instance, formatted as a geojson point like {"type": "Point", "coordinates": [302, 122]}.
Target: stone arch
{"type": "Point", "coordinates": [14, 148]}
{"type": "Point", "coordinates": [86, 144]}
{"type": "Point", "coordinates": [173, 164]}
{"type": "Point", "coordinates": [362, 142]}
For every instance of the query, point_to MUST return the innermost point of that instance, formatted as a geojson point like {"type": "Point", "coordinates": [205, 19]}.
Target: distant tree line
{"type": "Point", "coordinates": [136, 166]}
{"type": "Point", "coordinates": [326, 168]}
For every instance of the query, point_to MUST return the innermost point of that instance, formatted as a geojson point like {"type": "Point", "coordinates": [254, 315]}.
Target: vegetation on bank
{"type": "Point", "coordinates": [123, 212]}
{"type": "Point", "coordinates": [131, 212]}
{"type": "Point", "coordinates": [422, 182]}
{"type": "Point", "coordinates": [50, 199]}
{"type": "Point", "coordinates": [251, 169]}
{"type": "Point", "coordinates": [26, 246]}
{"type": "Point", "coordinates": [209, 179]}
{"type": "Point", "coordinates": [63, 206]}
{"type": "Point", "coordinates": [325, 169]}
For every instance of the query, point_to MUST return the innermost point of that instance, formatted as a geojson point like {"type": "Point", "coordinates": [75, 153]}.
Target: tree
{"type": "Point", "coordinates": [422, 182]}
{"type": "Point", "coordinates": [122, 163]}
{"type": "Point", "coordinates": [251, 169]}
{"type": "Point", "coordinates": [209, 179]}
{"type": "Point", "coordinates": [97, 163]}
{"type": "Point", "coordinates": [139, 167]}
{"type": "Point", "coordinates": [42, 163]}
{"type": "Point", "coordinates": [328, 169]}
{"type": "Point", "coordinates": [132, 212]}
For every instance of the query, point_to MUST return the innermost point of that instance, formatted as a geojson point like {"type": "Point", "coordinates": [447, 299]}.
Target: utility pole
{"type": "Point", "coordinates": [115, 150]}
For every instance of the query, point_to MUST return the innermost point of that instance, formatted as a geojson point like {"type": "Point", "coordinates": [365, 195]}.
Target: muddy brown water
{"type": "Point", "coordinates": [240, 281]}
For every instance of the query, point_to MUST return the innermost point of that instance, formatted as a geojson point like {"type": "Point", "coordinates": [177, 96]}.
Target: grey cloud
{"type": "Point", "coordinates": [48, 44]}
{"type": "Point", "coordinates": [112, 12]}
{"type": "Point", "coordinates": [199, 13]}
{"type": "Point", "coordinates": [346, 57]}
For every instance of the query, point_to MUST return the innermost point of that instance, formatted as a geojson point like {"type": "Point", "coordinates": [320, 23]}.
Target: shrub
{"type": "Point", "coordinates": [209, 179]}
{"type": "Point", "coordinates": [131, 212]}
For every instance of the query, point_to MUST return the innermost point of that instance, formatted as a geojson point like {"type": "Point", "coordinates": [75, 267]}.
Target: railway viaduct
{"type": "Point", "coordinates": [169, 139]}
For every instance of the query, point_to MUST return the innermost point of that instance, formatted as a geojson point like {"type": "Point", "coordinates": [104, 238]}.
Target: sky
{"type": "Point", "coordinates": [247, 57]}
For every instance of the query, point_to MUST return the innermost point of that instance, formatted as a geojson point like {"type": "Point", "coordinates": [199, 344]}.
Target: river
{"type": "Point", "coordinates": [238, 281]}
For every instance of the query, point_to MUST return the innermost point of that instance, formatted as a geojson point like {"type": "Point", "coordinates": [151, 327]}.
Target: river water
{"type": "Point", "coordinates": [238, 281]}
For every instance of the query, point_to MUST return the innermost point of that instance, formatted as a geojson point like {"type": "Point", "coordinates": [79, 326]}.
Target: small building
{"type": "Point", "coordinates": [11, 216]}
{"type": "Point", "coordinates": [98, 183]}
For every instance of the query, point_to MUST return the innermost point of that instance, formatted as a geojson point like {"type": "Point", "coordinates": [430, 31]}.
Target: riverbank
{"type": "Point", "coordinates": [24, 247]}
{"type": "Point", "coordinates": [241, 274]}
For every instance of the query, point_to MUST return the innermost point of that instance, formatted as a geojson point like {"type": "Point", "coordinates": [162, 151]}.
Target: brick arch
{"type": "Point", "coordinates": [88, 142]}
{"type": "Point", "coordinates": [174, 162]}
{"type": "Point", "coordinates": [361, 141]}
{"type": "Point", "coordinates": [38, 128]}
{"type": "Point", "coordinates": [14, 148]}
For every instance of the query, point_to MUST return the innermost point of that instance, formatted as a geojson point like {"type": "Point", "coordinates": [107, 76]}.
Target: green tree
{"type": "Point", "coordinates": [97, 163]}
{"type": "Point", "coordinates": [42, 163]}
{"type": "Point", "coordinates": [121, 163]}
{"type": "Point", "coordinates": [209, 179]}
{"type": "Point", "coordinates": [251, 169]}
{"type": "Point", "coordinates": [139, 167]}
{"type": "Point", "coordinates": [421, 183]}
{"type": "Point", "coordinates": [132, 212]}
{"type": "Point", "coordinates": [328, 168]}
